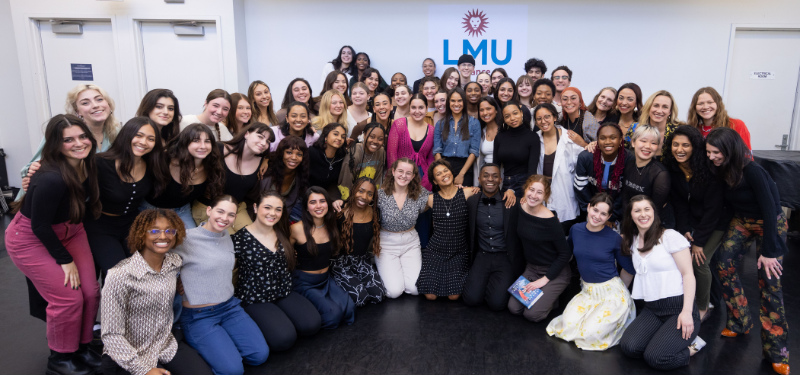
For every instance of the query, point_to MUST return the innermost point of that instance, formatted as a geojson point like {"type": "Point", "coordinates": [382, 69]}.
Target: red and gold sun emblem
{"type": "Point", "coordinates": [475, 22]}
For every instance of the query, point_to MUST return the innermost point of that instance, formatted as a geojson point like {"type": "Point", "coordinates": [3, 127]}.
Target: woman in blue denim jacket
{"type": "Point", "coordinates": [459, 140]}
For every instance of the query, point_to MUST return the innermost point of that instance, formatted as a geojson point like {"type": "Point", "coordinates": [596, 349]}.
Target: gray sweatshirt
{"type": "Point", "coordinates": [207, 270]}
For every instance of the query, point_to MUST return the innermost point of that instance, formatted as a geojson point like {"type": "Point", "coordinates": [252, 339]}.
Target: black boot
{"type": "Point", "coordinates": [88, 356]}
{"type": "Point", "coordinates": [64, 364]}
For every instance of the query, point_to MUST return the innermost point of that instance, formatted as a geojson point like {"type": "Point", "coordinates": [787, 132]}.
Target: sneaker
{"type": "Point", "coordinates": [697, 344]}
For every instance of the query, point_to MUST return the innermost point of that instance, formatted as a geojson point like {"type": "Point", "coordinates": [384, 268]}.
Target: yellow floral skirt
{"type": "Point", "coordinates": [596, 317]}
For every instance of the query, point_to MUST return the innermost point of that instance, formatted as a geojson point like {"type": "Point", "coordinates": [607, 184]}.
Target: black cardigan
{"type": "Point", "coordinates": [756, 197]}
{"type": "Point", "coordinates": [698, 209]}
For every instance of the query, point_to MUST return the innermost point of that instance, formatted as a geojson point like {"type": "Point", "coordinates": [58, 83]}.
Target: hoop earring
{"type": "Point", "coordinates": [371, 203]}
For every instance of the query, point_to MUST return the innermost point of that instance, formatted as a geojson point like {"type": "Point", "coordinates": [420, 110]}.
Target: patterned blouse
{"type": "Point", "coordinates": [137, 313]}
{"type": "Point", "coordinates": [400, 220]}
{"type": "Point", "coordinates": [263, 275]}
{"type": "Point", "coordinates": [628, 143]}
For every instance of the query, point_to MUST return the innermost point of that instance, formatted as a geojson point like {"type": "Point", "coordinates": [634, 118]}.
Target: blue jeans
{"type": "Point", "coordinates": [184, 212]}
{"type": "Point", "coordinates": [516, 183]}
{"type": "Point", "coordinates": [224, 335]}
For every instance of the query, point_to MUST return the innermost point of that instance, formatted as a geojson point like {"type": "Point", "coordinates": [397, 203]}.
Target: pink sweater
{"type": "Point", "coordinates": [400, 147]}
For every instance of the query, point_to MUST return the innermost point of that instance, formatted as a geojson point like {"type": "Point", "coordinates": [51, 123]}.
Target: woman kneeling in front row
{"type": "Point", "coordinates": [137, 303]}
{"type": "Point", "coordinates": [596, 318]}
{"type": "Point", "coordinates": [665, 333]}
{"type": "Point", "coordinates": [266, 260]}
{"type": "Point", "coordinates": [212, 318]}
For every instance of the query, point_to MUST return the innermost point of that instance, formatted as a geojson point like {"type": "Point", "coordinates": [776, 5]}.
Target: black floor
{"type": "Point", "coordinates": [413, 336]}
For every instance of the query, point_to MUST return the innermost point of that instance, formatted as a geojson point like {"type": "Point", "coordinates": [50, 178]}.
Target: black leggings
{"type": "Point", "coordinates": [282, 320]}
{"type": "Point", "coordinates": [185, 362]}
{"type": "Point", "coordinates": [108, 239]}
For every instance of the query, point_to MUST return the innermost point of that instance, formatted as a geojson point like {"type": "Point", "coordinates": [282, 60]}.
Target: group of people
{"type": "Point", "coordinates": [222, 236]}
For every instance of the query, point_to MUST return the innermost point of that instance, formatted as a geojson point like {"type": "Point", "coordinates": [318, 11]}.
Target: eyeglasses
{"type": "Point", "coordinates": [560, 77]}
{"type": "Point", "coordinates": [168, 232]}
{"type": "Point", "coordinates": [545, 117]}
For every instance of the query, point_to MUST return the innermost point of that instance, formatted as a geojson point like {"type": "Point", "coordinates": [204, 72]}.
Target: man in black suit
{"type": "Point", "coordinates": [492, 236]}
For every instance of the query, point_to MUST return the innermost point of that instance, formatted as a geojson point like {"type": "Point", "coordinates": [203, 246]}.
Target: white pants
{"type": "Point", "coordinates": [399, 262]}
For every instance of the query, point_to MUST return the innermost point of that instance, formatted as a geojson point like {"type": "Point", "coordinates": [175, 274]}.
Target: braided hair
{"type": "Point", "coordinates": [347, 214]}
{"type": "Point", "coordinates": [615, 176]}
{"type": "Point", "coordinates": [356, 169]}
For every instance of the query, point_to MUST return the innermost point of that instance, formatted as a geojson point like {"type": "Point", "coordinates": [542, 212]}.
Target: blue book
{"type": "Point", "coordinates": [518, 291]}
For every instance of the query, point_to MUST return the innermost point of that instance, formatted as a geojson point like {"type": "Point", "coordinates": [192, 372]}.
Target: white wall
{"type": "Point", "coordinates": [13, 135]}
{"type": "Point", "coordinates": [679, 45]}
{"type": "Point", "coordinates": [123, 15]}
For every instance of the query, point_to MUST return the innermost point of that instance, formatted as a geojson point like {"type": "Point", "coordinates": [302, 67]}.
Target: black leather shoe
{"type": "Point", "coordinates": [65, 364]}
{"type": "Point", "coordinates": [88, 357]}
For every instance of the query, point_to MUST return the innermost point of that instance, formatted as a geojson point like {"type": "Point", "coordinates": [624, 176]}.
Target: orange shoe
{"type": "Point", "coordinates": [781, 368]}
{"type": "Point", "coordinates": [728, 333]}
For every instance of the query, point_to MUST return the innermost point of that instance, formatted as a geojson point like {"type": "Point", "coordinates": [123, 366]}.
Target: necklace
{"type": "Point", "coordinates": [330, 163]}
{"type": "Point", "coordinates": [317, 227]}
{"type": "Point", "coordinates": [447, 203]}
{"type": "Point", "coordinates": [641, 170]}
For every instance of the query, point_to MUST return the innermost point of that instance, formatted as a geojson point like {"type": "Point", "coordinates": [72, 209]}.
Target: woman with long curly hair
{"type": "Point", "coordinates": [195, 170]}
{"type": "Point", "coordinates": [359, 241]}
{"type": "Point", "coordinates": [138, 314]}
{"type": "Point", "coordinates": [364, 159]}
{"type": "Point", "coordinates": [697, 198]}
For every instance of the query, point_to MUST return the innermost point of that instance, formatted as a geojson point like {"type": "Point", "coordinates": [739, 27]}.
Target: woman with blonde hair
{"type": "Point", "coordinates": [93, 105]}
{"type": "Point", "coordinates": [261, 103]}
{"type": "Point", "coordinates": [706, 105]}
{"type": "Point", "coordinates": [661, 112]}
{"type": "Point", "coordinates": [332, 108]}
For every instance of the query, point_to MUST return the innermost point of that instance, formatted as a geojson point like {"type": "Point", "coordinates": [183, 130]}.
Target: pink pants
{"type": "Point", "coordinates": [70, 313]}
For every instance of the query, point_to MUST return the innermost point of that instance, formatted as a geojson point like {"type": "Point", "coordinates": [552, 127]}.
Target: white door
{"type": "Point", "coordinates": [190, 66]}
{"type": "Point", "coordinates": [73, 59]}
{"type": "Point", "coordinates": [764, 83]}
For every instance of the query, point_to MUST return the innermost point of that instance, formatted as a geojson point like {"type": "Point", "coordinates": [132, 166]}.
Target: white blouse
{"type": "Point", "coordinates": [657, 274]}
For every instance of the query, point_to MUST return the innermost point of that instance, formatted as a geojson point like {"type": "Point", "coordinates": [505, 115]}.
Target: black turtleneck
{"type": "Point", "coordinates": [517, 150]}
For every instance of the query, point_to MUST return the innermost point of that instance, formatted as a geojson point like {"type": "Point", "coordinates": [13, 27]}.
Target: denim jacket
{"type": "Point", "coordinates": [453, 146]}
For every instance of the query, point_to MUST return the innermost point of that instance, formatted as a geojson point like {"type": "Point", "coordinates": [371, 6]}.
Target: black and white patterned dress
{"type": "Point", "coordinates": [354, 271]}
{"type": "Point", "coordinates": [445, 263]}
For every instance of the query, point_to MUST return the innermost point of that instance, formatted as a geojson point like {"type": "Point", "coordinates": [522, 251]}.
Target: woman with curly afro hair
{"type": "Point", "coordinates": [137, 303]}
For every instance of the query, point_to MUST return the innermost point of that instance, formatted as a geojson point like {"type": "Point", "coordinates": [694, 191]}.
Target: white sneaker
{"type": "Point", "coordinates": [697, 344]}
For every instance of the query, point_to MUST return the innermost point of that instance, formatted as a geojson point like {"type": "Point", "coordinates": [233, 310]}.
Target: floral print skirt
{"type": "Point", "coordinates": [596, 317]}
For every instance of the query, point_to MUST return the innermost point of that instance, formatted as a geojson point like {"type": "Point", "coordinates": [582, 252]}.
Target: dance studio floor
{"type": "Point", "coordinates": [413, 336]}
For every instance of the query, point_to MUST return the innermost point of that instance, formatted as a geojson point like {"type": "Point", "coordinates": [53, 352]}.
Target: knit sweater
{"type": "Point", "coordinates": [207, 270]}
{"type": "Point", "coordinates": [400, 146]}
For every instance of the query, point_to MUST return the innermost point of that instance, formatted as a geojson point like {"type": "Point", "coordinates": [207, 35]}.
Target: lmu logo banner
{"type": "Point", "coordinates": [496, 35]}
